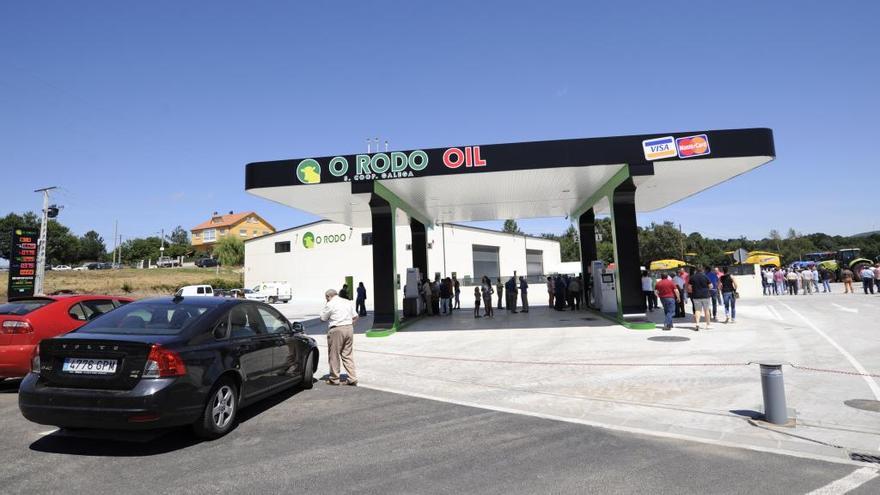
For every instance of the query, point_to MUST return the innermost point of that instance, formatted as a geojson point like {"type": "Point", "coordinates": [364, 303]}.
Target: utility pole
{"type": "Point", "coordinates": [115, 241]}
{"type": "Point", "coordinates": [41, 245]}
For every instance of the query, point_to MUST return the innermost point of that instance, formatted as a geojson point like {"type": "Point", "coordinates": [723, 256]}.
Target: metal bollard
{"type": "Point", "coordinates": [773, 389]}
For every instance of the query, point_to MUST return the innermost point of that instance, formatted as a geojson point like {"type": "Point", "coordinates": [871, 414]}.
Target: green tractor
{"type": "Point", "coordinates": [836, 262]}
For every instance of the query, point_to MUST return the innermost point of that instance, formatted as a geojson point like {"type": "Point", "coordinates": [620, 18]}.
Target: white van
{"type": "Point", "coordinates": [194, 290]}
{"type": "Point", "coordinates": [270, 292]}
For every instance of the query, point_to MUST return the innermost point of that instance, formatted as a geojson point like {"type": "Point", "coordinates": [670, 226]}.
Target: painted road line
{"type": "Point", "coordinates": [872, 384]}
{"type": "Point", "coordinates": [848, 310]}
{"type": "Point", "coordinates": [775, 314]}
{"type": "Point", "coordinates": [617, 427]}
{"type": "Point", "coordinates": [848, 483]}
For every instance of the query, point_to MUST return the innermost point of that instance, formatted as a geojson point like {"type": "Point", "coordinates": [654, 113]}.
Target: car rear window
{"type": "Point", "coordinates": [23, 306]}
{"type": "Point", "coordinates": [147, 318]}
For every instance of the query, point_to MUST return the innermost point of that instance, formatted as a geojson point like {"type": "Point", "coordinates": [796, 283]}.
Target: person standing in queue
{"type": "Point", "coordinates": [679, 301]}
{"type": "Point", "coordinates": [510, 286]}
{"type": "Point", "coordinates": [728, 292]}
{"type": "Point", "coordinates": [550, 290]}
{"type": "Point", "coordinates": [647, 290]}
{"type": "Point", "coordinates": [574, 293]}
{"type": "Point", "coordinates": [524, 290]}
{"type": "Point", "coordinates": [361, 299]}
{"type": "Point", "coordinates": [847, 276]}
{"type": "Point", "coordinates": [867, 275]}
{"type": "Point", "coordinates": [426, 292]}
{"type": "Point", "coordinates": [699, 289]}
{"type": "Point", "coordinates": [500, 290]}
{"type": "Point", "coordinates": [477, 298]}
{"type": "Point", "coordinates": [487, 296]}
{"type": "Point", "coordinates": [457, 288]}
{"type": "Point", "coordinates": [669, 296]}
{"type": "Point", "coordinates": [340, 315]}
{"type": "Point", "coordinates": [343, 293]}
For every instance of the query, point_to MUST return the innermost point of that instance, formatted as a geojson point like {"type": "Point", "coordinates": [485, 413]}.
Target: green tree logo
{"type": "Point", "coordinates": [308, 240]}
{"type": "Point", "coordinates": [309, 171]}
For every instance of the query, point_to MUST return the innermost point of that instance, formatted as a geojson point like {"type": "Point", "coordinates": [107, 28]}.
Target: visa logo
{"type": "Point", "coordinates": [659, 148]}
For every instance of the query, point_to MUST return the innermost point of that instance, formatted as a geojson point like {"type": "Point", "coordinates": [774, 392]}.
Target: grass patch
{"type": "Point", "coordinates": [135, 283]}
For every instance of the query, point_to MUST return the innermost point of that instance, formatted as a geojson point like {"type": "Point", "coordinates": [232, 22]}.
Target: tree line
{"type": "Point", "coordinates": [64, 247]}
{"type": "Point", "coordinates": [665, 240]}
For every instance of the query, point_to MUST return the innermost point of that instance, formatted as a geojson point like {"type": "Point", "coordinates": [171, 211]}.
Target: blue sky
{"type": "Point", "coordinates": [146, 112]}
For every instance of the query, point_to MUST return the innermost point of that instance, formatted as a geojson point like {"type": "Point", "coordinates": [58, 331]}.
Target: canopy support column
{"type": "Point", "coordinates": [385, 314]}
{"type": "Point", "coordinates": [626, 250]}
{"type": "Point", "coordinates": [419, 246]}
{"type": "Point", "coordinates": [587, 234]}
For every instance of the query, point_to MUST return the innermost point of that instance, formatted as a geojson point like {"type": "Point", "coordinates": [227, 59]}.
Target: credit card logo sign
{"type": "Point", "coordinates": [692, 146]}
{"type": "Point", "coordinates": [658, 148]}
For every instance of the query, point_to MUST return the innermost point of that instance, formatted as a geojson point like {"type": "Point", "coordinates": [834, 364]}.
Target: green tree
{"type": "Point", "coordinates": [140, 249]}
{"type": "Point", "coordinates": [91, 247]}
{"type": "Point", "coordinates": [511, 227]}
{"type": "Point", "coordinates": [61, 245]}
{"type": "Point", "coordinates": [178, 236]}
{"type": "Point", "coordinates": [230, 251]}
{"type": "Point", "coordinates": [659, 242]}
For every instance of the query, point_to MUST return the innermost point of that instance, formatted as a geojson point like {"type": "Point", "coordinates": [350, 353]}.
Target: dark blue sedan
{"type": "Point", "coordinates": [165, 362]}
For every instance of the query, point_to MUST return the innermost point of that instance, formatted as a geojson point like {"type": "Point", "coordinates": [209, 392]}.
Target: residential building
{"type": "Point", "coordinates": [245, 225]}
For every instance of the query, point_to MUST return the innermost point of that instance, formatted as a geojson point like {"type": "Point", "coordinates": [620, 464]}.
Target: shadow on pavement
{"type": "Point", "coordinates": [142, 444]}
{"type": "Point", "coordinates": [10, 386]}
{"type": "Point", "coordinates": [748, 413]}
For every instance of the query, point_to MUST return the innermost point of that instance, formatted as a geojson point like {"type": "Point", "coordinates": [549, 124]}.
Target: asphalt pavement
{"type": "Point", "coordinates": [356, 440]}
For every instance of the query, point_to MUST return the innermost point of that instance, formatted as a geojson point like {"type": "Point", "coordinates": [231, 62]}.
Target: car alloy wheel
{"type": "Point", "coordinates": [223, 407]}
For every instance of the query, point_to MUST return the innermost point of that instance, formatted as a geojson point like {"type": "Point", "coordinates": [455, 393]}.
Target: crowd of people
{"type": "Point", "coordinates": [706, 288]}
{"type": "Point", "coordinates": [808, 280]}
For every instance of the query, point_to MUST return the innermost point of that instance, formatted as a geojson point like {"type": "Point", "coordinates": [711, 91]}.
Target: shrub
{"type": "Point", "coordinates": [127, 288]}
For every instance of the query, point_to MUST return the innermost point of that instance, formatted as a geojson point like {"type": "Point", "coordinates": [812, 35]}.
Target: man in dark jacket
{"type": "Point", "coordinates": [361, 299]}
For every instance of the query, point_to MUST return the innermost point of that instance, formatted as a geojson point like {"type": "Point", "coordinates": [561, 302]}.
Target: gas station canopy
{"type": "Point", "coordinates": [515, 180]}
{"type": "Point", "coordinates": [577, 178]}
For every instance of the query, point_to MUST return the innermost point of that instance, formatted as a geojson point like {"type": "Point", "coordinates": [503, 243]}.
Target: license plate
{"type": "Point", "coordinates": [89, 366]}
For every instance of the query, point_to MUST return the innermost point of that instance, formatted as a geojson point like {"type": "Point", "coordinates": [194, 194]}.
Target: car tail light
{"type": "Point", "coordinates": [163, 363]}
{"type": "Point", "coordinates": [17, 327]}
{"type": "Point", "coordinates": [35, 361]}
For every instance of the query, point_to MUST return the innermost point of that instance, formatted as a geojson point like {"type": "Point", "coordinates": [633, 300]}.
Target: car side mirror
{"type": "Point", "coordinates": [297, 327]}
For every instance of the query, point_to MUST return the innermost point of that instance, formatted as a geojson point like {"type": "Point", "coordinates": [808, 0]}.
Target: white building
{"type": "Point", "coordinates": [319, 256]}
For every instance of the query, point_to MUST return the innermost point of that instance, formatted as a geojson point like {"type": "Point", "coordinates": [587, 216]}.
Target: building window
{"type": "Point", "coordinates": [534, 264]}
{"type": "Point", "coordinates": [282, 247]}
{"type": "Point", "coordinates": [367, 239]}
{"type": "Point", "coordinates": [242, 232]}
{"type": "Point", "coordinates": [209, 235]}
{"type": "Point", "coordinates": [255, 233]}
{"type": "Point", "coordinates": [197, 234]}
{"type": "Point", "coordinates": [486, 261]}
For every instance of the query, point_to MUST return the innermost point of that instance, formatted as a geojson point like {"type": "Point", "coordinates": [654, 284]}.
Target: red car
{"type": "Point", "coordinates": [25, 322]}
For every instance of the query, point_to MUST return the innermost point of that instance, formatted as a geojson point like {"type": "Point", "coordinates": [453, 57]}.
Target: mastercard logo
{"type": "Point", "coordinates": [692, 146]}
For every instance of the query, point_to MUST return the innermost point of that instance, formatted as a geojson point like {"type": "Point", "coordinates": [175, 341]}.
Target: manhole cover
{"type": "Point", "coordinates": [864, 404]}
{"type": "Point", "coordinates": [865, 458]}
{"type": "Point", "coordinates": [668, 339]}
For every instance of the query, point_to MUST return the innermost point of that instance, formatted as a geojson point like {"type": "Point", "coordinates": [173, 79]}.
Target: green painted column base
{"type": "Point", "coordinates": [632, 325]}
{"type": "Point", "coordinates": [398, 326]}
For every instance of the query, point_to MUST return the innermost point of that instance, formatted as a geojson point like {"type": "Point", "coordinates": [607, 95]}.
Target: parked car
{"type": "Point", "coordinates": [194, 290]}
{"type": "Point", "coordinates": [207, 262]}
{"type": "Point", "coordinates": [61, 268]}
{"type": "Point", "coordinates": [167, 262]}
{"type": "Point", "coordinates": [165, 362]}
{"type": "Point", "coordinates": [81, 268]}
{"type": "Point", "coordinates": [25, 322]}
{"type": "Point", "coordinates": [270, 292]}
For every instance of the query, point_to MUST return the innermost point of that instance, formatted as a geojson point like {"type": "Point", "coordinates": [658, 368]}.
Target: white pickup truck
{"type": "Point", "coordinates": [270, 292]}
